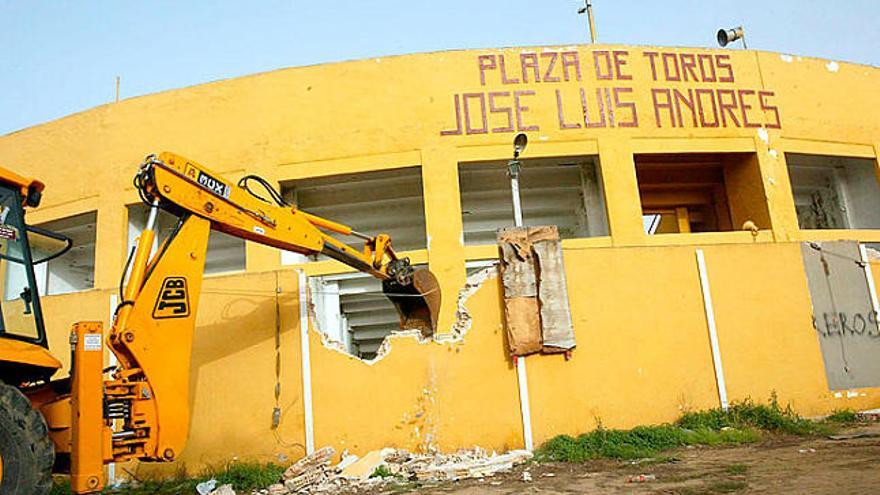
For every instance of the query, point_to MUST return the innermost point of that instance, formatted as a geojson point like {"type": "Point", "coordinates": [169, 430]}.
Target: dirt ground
{"type": "Point", "coordinates": [781, 465]}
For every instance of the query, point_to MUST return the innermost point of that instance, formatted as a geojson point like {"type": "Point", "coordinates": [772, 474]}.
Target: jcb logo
{"type": "Point", "coordinates": [173, 300]}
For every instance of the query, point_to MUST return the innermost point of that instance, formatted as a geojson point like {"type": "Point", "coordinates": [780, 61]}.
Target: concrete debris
{"type": "Point", "coordinates": [526, 477]}
{"type": "Point", "coordinates": [366, 465]}
{"type": "Point", "coordinates": [315, 475]}
{"type": "Point", "coordinates": [277, 489]}
{"type": "Point", "coordinates": [310, 470]}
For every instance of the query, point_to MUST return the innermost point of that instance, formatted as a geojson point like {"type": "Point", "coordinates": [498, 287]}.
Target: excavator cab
{"type": "Point", "coordinates": [24, 249]}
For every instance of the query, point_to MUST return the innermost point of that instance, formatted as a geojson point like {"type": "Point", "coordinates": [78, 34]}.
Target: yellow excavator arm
{"type": "Point", "coordinates": [143, 411]}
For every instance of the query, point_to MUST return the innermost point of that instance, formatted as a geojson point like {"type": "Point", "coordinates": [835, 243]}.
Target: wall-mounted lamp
{"type": "Point", "coordinates": [513, 168]}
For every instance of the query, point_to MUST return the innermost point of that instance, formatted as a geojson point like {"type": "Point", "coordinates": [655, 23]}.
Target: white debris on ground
{"type": "Point", "coordinates": [315, 474]}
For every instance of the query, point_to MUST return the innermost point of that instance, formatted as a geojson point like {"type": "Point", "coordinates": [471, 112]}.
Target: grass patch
{"type": "Point", "coordinates": [727, 486]}
{"type": "Point", "coordinates": [843, 417]}
{"type": "Point", "coordinates": [747, 414]}
{"type": "Point", "coordinates": [639, 442]}
{"type": "Point", "coordinates": [736, 469]}
{"type": "Point", "coordinates": [743, 422]}
{"type": "Point", "coordinates": [382, 471]}
{"type": "Point", "coordinates": [243, 476]}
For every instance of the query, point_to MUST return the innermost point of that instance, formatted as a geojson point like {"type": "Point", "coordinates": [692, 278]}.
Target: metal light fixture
{"type": "Point", "coordinates": [513, 168]}
{"type": "Point", "coordinates": [588, 9]}
{"type": "Point", "coordinates": [727, 36]}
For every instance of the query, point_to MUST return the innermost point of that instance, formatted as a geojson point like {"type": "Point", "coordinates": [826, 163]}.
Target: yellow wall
{"type": "Point", "coordinates": [643, 349]}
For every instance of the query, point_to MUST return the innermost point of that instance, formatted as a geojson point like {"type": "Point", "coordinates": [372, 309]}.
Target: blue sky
{"type": "Point", "coordinates": [61, 57]}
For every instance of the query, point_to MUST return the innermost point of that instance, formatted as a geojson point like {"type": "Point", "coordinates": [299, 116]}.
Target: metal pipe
{"type": "Point", "coordinates": [591, 20]}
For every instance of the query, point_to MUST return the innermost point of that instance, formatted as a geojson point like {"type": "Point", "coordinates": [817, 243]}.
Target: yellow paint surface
{"type": "Point", "coordinates": [643, 351]}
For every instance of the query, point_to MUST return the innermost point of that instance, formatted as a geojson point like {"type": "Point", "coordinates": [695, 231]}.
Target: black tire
{"type": "Point", "coordinates": [26, 450]}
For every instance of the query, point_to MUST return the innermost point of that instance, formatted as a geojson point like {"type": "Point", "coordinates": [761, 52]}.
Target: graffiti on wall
{"type": "Point", "coordinates": [692, 90]}
{"type": "Point", "coordinates": [844, 317]}
{"type": "Point", "coordinates": [855, 324]}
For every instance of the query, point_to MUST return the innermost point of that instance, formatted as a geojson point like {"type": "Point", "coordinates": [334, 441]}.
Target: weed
{"type": "Point", "coordinates": [243, 476]}
{"type": "Point", "coordinates": [743, 422]}
{"type": "Point", "coordinates": [382, 471]}
{"type": "Point", "coordinates": [736, 469]}
{"type": "Point", "coordinates": [747, 414]}
{"type": "Point", "coordinates": [843, 417]}
{"type": "Point", "coordinates": [728, 486]}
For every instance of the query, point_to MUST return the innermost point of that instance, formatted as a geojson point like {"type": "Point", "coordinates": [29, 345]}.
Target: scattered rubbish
{"type": "Point", "coordinates": [548, 475]}
{"type": "Point", "coordinates": [868, 416]}
{"type": "Point", "coordinates": [850, 436]}
{"type": "Point", "coordinates": [315, 474]}
{"type": "Point", "coordinates": [804, 451]}
{"type": "Point", "coordinates": [642, 478]}
{"type": "Point", "coordinates": [224, 490]}
{"type": "Point", "coordinates": [206, 487]}
{"type": "Point", "coordinates": [495, 483]}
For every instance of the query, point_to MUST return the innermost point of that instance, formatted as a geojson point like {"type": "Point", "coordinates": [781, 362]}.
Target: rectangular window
{"type": "Point", "coordinates": [387, 201]}
{"type": "Point", "coordinates": [75, 270]}
{"type": "Point", "coordinates": [700, 192]}
{"type": "Point", "coordinates": [833, 192]}
{"type": "Point", "coordinates": [225, 252]}
{"type": "Point", "coordinates": [353, 311]}
{"type": "Point", "coordinates": [566, 192]}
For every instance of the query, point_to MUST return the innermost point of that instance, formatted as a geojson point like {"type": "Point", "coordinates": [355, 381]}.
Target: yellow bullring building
{"type": "Point", "coordinates": [699, 194]}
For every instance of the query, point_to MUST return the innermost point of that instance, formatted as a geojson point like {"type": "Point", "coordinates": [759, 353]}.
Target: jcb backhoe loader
{"type": "Point", "coordinates": [140, 411]}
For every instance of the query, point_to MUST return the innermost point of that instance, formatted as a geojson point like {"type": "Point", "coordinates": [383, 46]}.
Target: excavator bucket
{"type": "Point", "coordinates": [417, 303]}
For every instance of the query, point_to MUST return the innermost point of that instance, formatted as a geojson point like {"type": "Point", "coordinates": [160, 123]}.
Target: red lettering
{"type": "Point", "coordinates": [599, 64]}
{"type": "Point", "coordinates": [562, 123]}
{"type": "Point", "coordinates": [609, 106]}
{"type": "Point", "coordinates": [619, 62]}
{"type": "Point", "coordinates": [745, 107]}
{"type": "Point", "coordinates": [658, 105]}
{"type": "Point", "coordinates": [547, 73]}
{"type": "Point", "coordinates": [467, 116]}
{"type": "Point", "coordinates": [725, 66]}
{"type": "Point", "coordinates": [688, 66]}
{"type": "Point", "coordinates": [651, 56]}
{"type": "Point", "coordinates": [486, 62]}
{"type": "Point", "coordinates": [504, 78]}
{"type": "Point", "coordinates": [587, 122]}
{"type": "Point", "coordinates": [530, 61]}
{"type": "Point", "coordinates": [701, 59]}
{"type": "Point", "coordinates": [762, 97]}
{"type": "Point", "coordinates": [674, 58]}
{"type": "Point", "coordinates": [699, 100]}
{"type": "Point", "coordinates": [505, 110]}
{"type": "Point", "coordinates": [571, 60]}
{"type": "Point", "coordinates": [634, 120]}
{"type": "Point", "coordinates": [727, 108]}
{"type": "Point", "coordinates": [457, 130]}
{"type": "Point", "coordinates": [688, 101]}
{"type": "Point", "coordinates": [521, 109]}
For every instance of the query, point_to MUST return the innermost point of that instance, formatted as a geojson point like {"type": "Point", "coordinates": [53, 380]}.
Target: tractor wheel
{"type": "Point", "coordinates": [26, 452]}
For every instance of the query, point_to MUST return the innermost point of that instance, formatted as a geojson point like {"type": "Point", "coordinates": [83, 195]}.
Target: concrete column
{"type": "Point", "coordinates": [444, 226]}
{"type": "Point", "coordinates": [777, 187]}
{"type": "Point", "coordinates": [111, 239]}
{"type": "Point", "coordinates": [621, 191]}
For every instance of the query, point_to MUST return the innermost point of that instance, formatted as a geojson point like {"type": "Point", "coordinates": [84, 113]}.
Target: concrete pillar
{"type": "Point", "coordinates": [444, 226]}
{"type": "Point", "coordinates": [621, 191]}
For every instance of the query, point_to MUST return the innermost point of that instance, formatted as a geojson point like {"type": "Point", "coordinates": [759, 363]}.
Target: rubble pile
{"type": "Point", "coordinates": [315, 474]}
